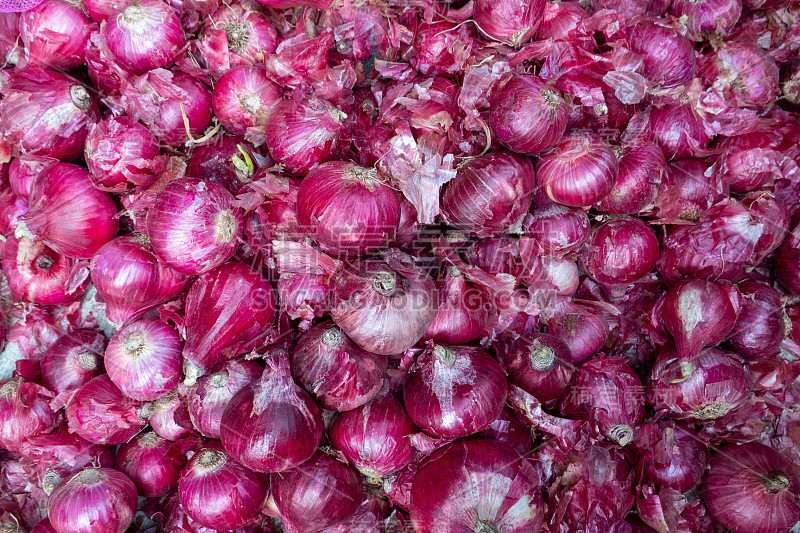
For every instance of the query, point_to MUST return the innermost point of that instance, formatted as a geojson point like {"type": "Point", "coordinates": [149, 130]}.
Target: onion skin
{"type": "Point", "coordinates": [441, 48]}
{"type": "Point", "coordinates": [508, 21]}
{"type": "Point", "coordinates": [717, 16]}
{"type": "Point", "coordinates": [678, 131]}
{"type": "Point", "coordinates": [669, 58]}
{"type": "Point", "coordinates": [218, 492]}
{"type": "Point", "coordinates": [242, 98]}
{"type": "Point", "coordinates": [100, 10]}
{"type": "Point", "coordinates": [744, 74]}
{"type": "Point", "coordinates": [131, 279]}
{"type": "Point", "coordinates": [96, 500]}
{"type": "Point", "coordinates": [463, 312]}
{"type": "Point", "coordinates": [193, 225]}
{"type": "Point", "coordinates": [208, 399]}
{"type": "Point", "coordinates": [632, 8]}
{"type": "Point", "coordinates": [54, 34]}
{"type": "Point", "coordinates": [580, 170]}
{"type": "Point", "coordinates": [228, 312]}
{"type": "Point", "coordinates": [751, 488]}
{"type": "Point", "coordinates": [348, 209]}
{"type": "Point", "coordinates": [528, 115]}
{"type": "Point", "coordinates": [318, 494]}
{"type": "Point", "coordinates": [224, 162]}
{"type": "Point", "coordinates": [490, 194]}
{"type": "Point", "coordinates": [170, 418]}
{"type": "Point", "coordinates": [689, 191]}
{"type": "Point", "coordinates": [335, 370]}
{"type": "Point", "coordinates": [24, 412]}
{"type": "Point", "coordinates": [642, 175]}
{"type": "Point", "coordinates": [672, 456]}
{"type": "Point", "coordinates": [73, 360]}
{"type": "Point", "coordinates": [760, 328]}
{"type": "Point", "coordinates": [23, 171]}
{"type": "Point", "coordinates": [152, 463]}
{"type": "Point", "coordinates": [455, 392]}
{"type": "Point", "coordinates": [385, 307]}
{"type": "Point", "coordinates": [100, 413]}
{"type": "Point", "coordinates": [775, 218]}
{"type": "Point", "coordinates": [43, 527]}
{"type": "Point", "coordinates": [272, 425]}
{"type": "Point", "coordinates": [447, 498]}
{"type": "Point", "coordinates": [375, 436]}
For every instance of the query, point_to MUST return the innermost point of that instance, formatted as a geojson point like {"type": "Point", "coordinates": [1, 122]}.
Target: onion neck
{"type": "Point", "coordinates": [50, 481]}
{"type": "Point", "coordinates": [484, 527]}
{"type": "Point", "coordinates": [87, 361]}
{"type": "Point", "coordinates": [622, 434]}
{"type": "Point", "coordinates": [147, 410]}
{"type": "Point", "coordinates": [543, 357]}
{"type": "Point", "coordinates": [134, 345]}
{"type": "Point", "coordinates": [712, 411]}
{"type": "Point", "coordinates": [776, 481]}
{"type": "Point", "coordinates": [226, 226]}
{"type": "Point", "coordinates": [238, 37]}
{"type": "Point", "coordinates": [367, 177]}
{"type": "Point", "coordinates": [332, 337]}
{"type": "Point", "coordinates": [88, 476]}
{"type": "Point", "coordinates": [191, 372]}
{"type": "Point", "coordinates": [133, 14]}
{"type": "Point", "coordinates": [80, 97]}
{"type": "Point", "coordinates": [250, 102]}
{"type": "Point", "coordinates": [10, 388]}
{"type": "Point", "coordinates": [219, 380]}
{"type": "Point", "coordinates": [210, 460]}
{"type": "Point", "coordinates": [551, 100]}
{"type": "Point", "coordinates": [149, 439]}
{"type": "Point", "coordinates": [446, 355]}
{"type": "Point", "coordinates": [384, 283]}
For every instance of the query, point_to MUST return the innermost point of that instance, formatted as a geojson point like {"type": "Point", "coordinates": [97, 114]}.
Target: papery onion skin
{"type": "Point", "coordinates": [384, 307]}
{"type": "Point", "coordinates": [508, 429]}
{"type": "Point", "coordinates": [453, 392]}
{"type": "Point", "coordinates": [490, 194]}
{"type": "Point", "coordinates": [144, 359]}
{"type": "Point", "coordinates": [54, 34]}
{"type": "Point", "coordinates": [193, 225]}
{"type": "Point", "coordinates": [580, 170]}
{"type": "Point", "coordinates": [101, 414]}
{"type": "Point", "coordinates": [105, 70]}
{"type": "Point", "coordinates": [240, 35]}
{"type": "Point", "coordinates": [583, 329]}
{"type": "Point", "coordinates": [24, 412]}
{"type": "Point", "coordinates": [528, 115]}
{"type": "Point", "coordinates": [272, 425]}
{"type": "Point", "coordinates": [68, 214]}
{"type": "Point", "coordinates": [705, 387]}
{"type": "Point", "coordinates": [228, 312]}
{"type": "Point", "coordinates": [642, 175]}
{"type": "Point", "coordinates": [96, 500]}
{"type": "Point", "coordinates": [348, 209]}
{"type": "Point", "coordinates": [632, 8]}
{"type": "Point", "coordinates": [787, 262]}
{"type": "Point", "coordinates": [760, 326]}
{"type": "Point", "coordinates": [208, 399]}
{"type": "Point", "coordinates": [559, 20]}
{"type": "Point", "coordinates": [220, 493]}
{"type": "Point", "coordinates": [131, 279]}
{"type": "Point", "coordinates": [707, 15]}
{"type": "Point", "coordinates": [508, 21]}
{"type": "Point", "coordinates": [335, 370]}
{"type": "Point", "coordinates": [242, 98]}
{"type": "Point", "coordinates": [375, 437]}
{"type": "Point", "coordinates": [463, 311]}
{"type": "Point", "coordinates": [689, 190]}
{"type": "Point", "coordinates": [318, 494]}
{"type": "Point", "coordinates": [170, 418]}
{"type": "Point", "coordinates": [23, 171]}
{"type": "Point", "coordinates": [44, 527]}
{"type": "Point", "coordinates": [675, 459]}
{"type": "Point", "coordinates": [152, 463]}
{"type": "Point", "coordinates": [145, 35]}
{"type": "Point", "coordinates": [744, 73]}
{"type": "Point", "coordinates": [73, 360]}
{"type": "Point", "coordinates": [447, 497]}
{"type": "Point", "coordinates": [441, 47]}
{"type": "Point", "coordinates": [168, 124]}
{"type": "Point", "coordinates": [678, 131]}
{"type": "Point", "coordinates": [100, 10]}
{"type": "Point", "coordinates": [751, 488]}
{"type": "Point", "coordinates": [558, 228]}
{"type": "Point", "coordinates": [669, 58]}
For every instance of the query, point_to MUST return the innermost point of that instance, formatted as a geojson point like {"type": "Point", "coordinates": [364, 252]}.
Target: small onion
{"type": "Point", "coordinates": [272, 425]}
{"type": "Point", "coordinates": [678, 131]}
{"type": "Point", "coordinates": [96, 500]}
{"type": "Point", "coordinates": [193, 225]}
{"type": "Point", "coordinates": [642, 175]}
{"type": "Point", "coordinates": [145, 35]}
{"type": "Point", "coordinates": [375, 437]}
{"type": "Point", "coordinates": [348, 209]}
{"type": "Point", "coordinates": [453, 392]}
{"type": "Point", "coordinates": [669, 58]}
{"type": "Point", "coordinates": [463, 311]}
{"type": "Point", "coordinates": [580, 170]}
{"type": "Point", "coordinates": [100, 413]}
{"type": "Point", "coordinates": [24, 412]}
{"type": "Point", "coordinates": [170, 418]}
{"type": "Point", "coordinates": [218, 492]}
{"type": "Point", "coordinates": [318, 494]}
{"type": "Point", "coordinates": [508, 21]}
{"type": "Point", "coordinates": [335, 370]}
{"type": "Point", "coordinates": [674, 456]}
{"type": "Point", "coordinates": [558, 228]}
{"type": "Point", "coordinates": [144, 359]}
{"type": "Point", "coordinates": [490, 194]}
{"type": "Point", "coordinates": [528, 115]}
{"type": "Point", "coordinates": [152, 463]}
{"type": "Point", "coordinates": [243, 97]}
{"type": "Point", "coordinates": [581, 328]}
{"type": "Point", "coordinates": [717, 16]}
{"type": "Point", "coordinates": [775, 219]}
{"type": "Point", "coordinates": [54, 35]}
{"type": "Point", "coordinates": [760, 327]}
{"type": "Point", "coordinates": [73, 360]}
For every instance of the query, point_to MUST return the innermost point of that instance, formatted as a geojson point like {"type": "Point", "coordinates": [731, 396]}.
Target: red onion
{"type": "Point", "coordinates": [495, 255]}
{"type": "Point", "coordinates": [335, 370]}
{"type": "Point", "coordinates": [68, 214]}
{"type": "Point", "coordinates": [100, 10]}
{"type": "Point", "coordinates": [704, 387]}
{"type": "Point", "coordinates": [228, 162]}
{"type": "Point", "coordinates": [539, 364]}
{"type": "Point", "coordinates": [787, 262]}
{"type": "Point", "coordinates": [717, 16]}
{"type": "Point", "coordinates": [508, 21]}
{"type": "Point", "coordinates": [477, 485]}
{"type": "Point", "coordinates": [144, 359]}
{"type": "Point", "coordinates": [96, 500]}
{"type": "Point", "coordinates": [765, 208]}
{"type": "Point", "coordinates": [24, 412]}
{"type": "Point", "coordinates": [348, 209]}
{"type": "Point", "coordinates": [751, 488]}
{"type": "Point", "coordinates": [105, 70]}
{"type": "Point", "coordinates": [363, 30]}
{"type": "Point", "coordinates": [621, 251]}
{"type": "Point", "coordinates": [372, 515]}
{"type": "Point", "coordinates": [228, 312]}
{"type": "Point", "coordinates": [632, 8]}
{"type": "Point", "coordinates": [583, 329]}
{"type": "Point", "coordinates": [318, 494]}
{"type": "Point", "coordinates": [700, 313]}
{"type": "Point", "coordinates": [100, 413]}
{"type": "Point", "coordinates": [689, 191]}
{"type": "Point", "coordinates": [607, 392]}
{"type": "Point", "coordinates": [672, 456]}
{"type": "Point", "coordinates": [375, 437]}
{"type": "Point", "coordinates": [385, 306]}
{"type": "Point", "coordinates": [760, 327]}
{"type": "Point", "coordinates": [243, 97]}
{"type": "Point", "coordinates": [558, 228]}
{"type": "Point", "coordinates": [46, 113]}
{"type": "Point", "coordinates": [580, 171]}
{"type": "Point", "coordinates": [73, 360]}
{"type": "Point", "coordinates": [490, 194]}
{"type": "Point", "coordinates": [38, 274]}
{"type": "Point", "coordinates": [463, 310]}
{"type": "Point", "coordinates": [122, 154]}
{"type": "Point", "coordinates": [220, 493]}
{"type": "Point", "coordinates": [23, 171]}
{"type": "Point", "coordinates": [303, 132]}
{"type": "Point", "coordinates": [749, 162]}
{"type": "Point", "coordinates": [145, 35]}
{"type": "Point", "coordinates": [54, 35]}
{"type": "Point", "coordinates": [528, 114]}
{"type": "Point", "coordinates": [272, 425]}
{"type": "Point", "coordinates": [152, 463]}
{"type": "Point", "coordinates": [453, 392]}
{"type": "Point", "coordinates": [131, 279]}
{"type": "Point", "coordinates": [642, 175]}
{"type": "Point", "coordinates": [678, 130]}
{"type": "Point", "coordinates": [170, 418]}
{"type": "Point", "coordinates": [441, 47]}
{"type": "Point", "coordinates": [669, 58]}
{"type": "Point", "coordinates": [208, 399]}
{"type": "Point", "coordinates": [193, 225]}
{"type": "Point", "coordinates": [742, 73]}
